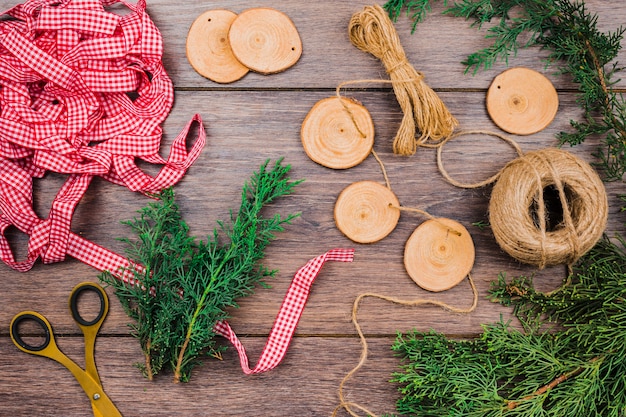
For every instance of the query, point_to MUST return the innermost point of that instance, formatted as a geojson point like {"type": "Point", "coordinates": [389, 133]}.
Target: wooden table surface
{"type": "Point", "coordinates": [247, 122]}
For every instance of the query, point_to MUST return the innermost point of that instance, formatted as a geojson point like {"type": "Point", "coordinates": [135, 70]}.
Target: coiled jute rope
{"type": "Point", "coordinates": [372, 31]}
{"type": "Point", "coordinates": [518, 215]}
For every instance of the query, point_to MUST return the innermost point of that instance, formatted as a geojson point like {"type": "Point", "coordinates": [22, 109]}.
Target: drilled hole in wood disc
{"type": "Point", "coordinates": [338, 133]}
{"type": "Point", "coordinates": [265, 40]}
{"type": "Point", "coordinates": [208, 47]}
{"type": "Point", "coordinates": [522, 101]}
{"type": "Point", "coordinates": [436, 257]}
{"type": "Point", "coordinates": [363, 211]}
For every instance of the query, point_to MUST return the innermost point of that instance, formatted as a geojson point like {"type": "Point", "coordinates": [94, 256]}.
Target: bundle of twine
{"type": "Point", "coordinates": [372, 31]}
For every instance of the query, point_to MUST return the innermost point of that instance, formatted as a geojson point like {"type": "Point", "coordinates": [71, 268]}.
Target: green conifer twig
{"type": "Point", "coordinates": [569, 360]}
{"type": "Point", "coordinates": [570, 32]}
{"type": "Point", "coordinates": [193, 282]}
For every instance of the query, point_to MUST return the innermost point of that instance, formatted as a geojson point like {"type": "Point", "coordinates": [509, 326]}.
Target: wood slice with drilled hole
{"type": "Point", "coordinates": [338, 133]}
{"type": "Point", "coordinates": [265, 40]}
{"type": "Point", "coordinates": [366, 211]}
{"type": "Point", "coordinates": [208, 47]}
{"type": "Point", "coordinates": [436, 257]}
{"type": "Point", "coordinates": [522, 101]}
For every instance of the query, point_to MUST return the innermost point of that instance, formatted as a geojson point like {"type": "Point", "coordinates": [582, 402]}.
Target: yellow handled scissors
{"type": "Point", "coordinates": [88, 378]}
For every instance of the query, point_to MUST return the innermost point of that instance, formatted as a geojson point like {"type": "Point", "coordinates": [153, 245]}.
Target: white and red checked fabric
{"type": "Point", "coordinates": [83, 92]}
{"type": "Point", "coordinates": [288, 315]}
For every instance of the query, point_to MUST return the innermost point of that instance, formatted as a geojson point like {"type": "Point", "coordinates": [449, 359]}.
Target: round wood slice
{"type": "Point", "coordinates": [208, 47]}
{"type": "Point", "coordinates": [265, 40]}
{"type": "Point", "coordinates": [338, 133]}
{"type": "Point", "coordinates": [522, 101]}
{"type": "Point", "coordinates": [436, 257]}
{"type": "Point", "coordinates": [363, 212]}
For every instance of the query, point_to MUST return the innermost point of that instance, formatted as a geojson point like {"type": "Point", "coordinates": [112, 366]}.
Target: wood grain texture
{"type": "Point", "coordinates": [257, 118]}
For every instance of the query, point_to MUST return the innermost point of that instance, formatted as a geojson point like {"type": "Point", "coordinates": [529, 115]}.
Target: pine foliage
{"type": "Point", "coordinates": [568, 360]}
{"type": "Point", "coordinates": [571, 34]}
{"type": "Point", "coordinates": [188, 284]}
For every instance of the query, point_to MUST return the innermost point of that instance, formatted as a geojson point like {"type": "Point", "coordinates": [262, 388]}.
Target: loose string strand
{"type": "Point", "coordinates": [460, 133]}
{"type": "Point", "coordinates": [349, 405]}
{"type": "Point", "coordinates": [379, 160]}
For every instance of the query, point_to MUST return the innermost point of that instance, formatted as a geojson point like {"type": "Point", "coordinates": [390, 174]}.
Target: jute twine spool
{"type": "Point", "coordinates": [372, 31]}
{"type": "Point", "coordinates": [518, 215]}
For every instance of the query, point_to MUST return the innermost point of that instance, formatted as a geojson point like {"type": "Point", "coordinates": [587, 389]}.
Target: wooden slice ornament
{"type": "Point", "coordinates": [265, 40]}
{"type": "Point", "coordinates": [439, 254]}
{"type": "Point", "coordinates": [338, 133]}
{"type": "Point", "coordinates": [365, 211]}
{"type": "Point", "coordinates": [208, 47]}
{"type": "Point", "coordinates": [522, 101]}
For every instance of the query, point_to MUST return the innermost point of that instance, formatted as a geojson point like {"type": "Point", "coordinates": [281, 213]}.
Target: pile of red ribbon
{"type": "Point", "coordinates": [83, 92]}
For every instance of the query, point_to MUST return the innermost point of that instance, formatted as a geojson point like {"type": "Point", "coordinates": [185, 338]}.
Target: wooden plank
{"type": "Point", "coordinates": [248, 122]}
{"type": "Point", "coordinates": [227, 162]}
{"type": "Point", "coordinates": [437, 48]}
{"type": "Point", "coordinates": [297, 387]}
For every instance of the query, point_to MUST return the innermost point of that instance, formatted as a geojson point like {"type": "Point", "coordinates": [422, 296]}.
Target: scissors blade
{"type": "Point", "coordinates": [96, 412]}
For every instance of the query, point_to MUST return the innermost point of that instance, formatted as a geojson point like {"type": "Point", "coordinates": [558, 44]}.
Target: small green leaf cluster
{"type": "Point", "coordinates": [570, 32]}
{"type": "Point", "coordinates": [415, 9]}
{"type": "Point", "coordinates": [568, 360]}
{"type": "Point", "coordinates": [185, 285]}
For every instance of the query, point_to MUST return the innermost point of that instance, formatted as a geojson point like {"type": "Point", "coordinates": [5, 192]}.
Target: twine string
{"type": "Point", "coordinates": [460, 133]}
{"type": "Point", "coordinates": [377, 157]}
{"type": "Point", "coordinates": [349, 406]}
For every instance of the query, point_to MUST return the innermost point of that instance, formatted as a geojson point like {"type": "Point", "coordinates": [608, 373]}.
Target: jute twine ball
{"type": "Point", "coordinates": [521, 222]}
{"type": "Point", "coordinates": [365, 213]}
{"type": "Point", "coordinates": [338, 133]}
{"type": "Point", "coordinates": [265, 40]}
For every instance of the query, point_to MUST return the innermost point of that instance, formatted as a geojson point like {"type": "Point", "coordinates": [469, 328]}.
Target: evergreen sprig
{"type": "Point", "coordinates": [569, 359]}
{"type": "Point", "coordinates": [415, 9]}
{"type": "Point", "coordinates": [570, 32]}
{"type": "Point", "coordinates": [187, 284]}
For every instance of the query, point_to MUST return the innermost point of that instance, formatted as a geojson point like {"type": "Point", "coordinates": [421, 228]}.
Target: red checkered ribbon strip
{"type": "Point", "coordinates": [83, 92]}
{"type": "Point", "coordinates": [288, 315]}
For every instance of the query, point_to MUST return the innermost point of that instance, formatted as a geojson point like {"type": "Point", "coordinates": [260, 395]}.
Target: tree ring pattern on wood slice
{"type": "Point", "coordinates": [338, 133]}
{"type": "Point", "coordinates": [522, 101]}
{"type": "Point", "coordinates": [366, 211]}
{"type": "Point", "coordinates": [208, 47]}
{"type": "Point", "coordinates": [265, 40]}
{"type": "Point", "coordinates": [436, 257]}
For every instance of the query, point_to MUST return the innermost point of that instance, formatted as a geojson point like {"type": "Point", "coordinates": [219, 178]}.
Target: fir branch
{"type": "Point", "coordinates": [193, 282]}
{"type": "Point", "coordinates": [415, 9]}
{"type": "Point", "coordinates": [574, 369]}
{"type": "Point", "coordinates": [570, 32]}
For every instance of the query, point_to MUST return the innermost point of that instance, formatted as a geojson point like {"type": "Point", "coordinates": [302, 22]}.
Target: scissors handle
{"type": "Point", "coordinates": [89, 328]}
{"type": "Point", "coordinates": [41, 349]}
{"type": "Point", "coordinates": [104, 304]}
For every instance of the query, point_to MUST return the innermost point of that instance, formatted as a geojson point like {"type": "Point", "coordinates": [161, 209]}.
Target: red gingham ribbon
{"type": "Point", "coordinates": [83, 92]}
{"type": "Point", "coordinates": [288, 315]}
{"type": "Point", "coordinates": [66, 68]}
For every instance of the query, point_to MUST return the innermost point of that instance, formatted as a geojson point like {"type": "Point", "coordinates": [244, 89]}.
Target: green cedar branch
{"type": "Point", "coordinates": [570, 32]}
{"type": "Point", "coordinates": [569, 359]}
{"type": "Point", "coordinates": [192, 282]}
